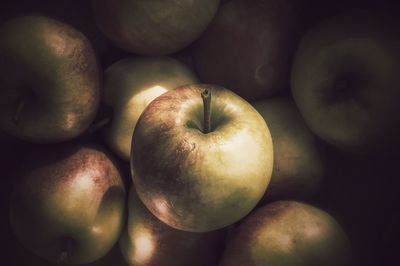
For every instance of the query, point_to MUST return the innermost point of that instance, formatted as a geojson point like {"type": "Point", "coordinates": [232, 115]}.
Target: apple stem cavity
{"type": "Point", "coordinates": [206, 95]}
{"type": "Point", "coordinates": [18, 111]}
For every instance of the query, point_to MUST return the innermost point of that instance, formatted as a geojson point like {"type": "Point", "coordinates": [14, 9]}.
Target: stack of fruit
{"type": "Point", "coordinates": [195, 132]}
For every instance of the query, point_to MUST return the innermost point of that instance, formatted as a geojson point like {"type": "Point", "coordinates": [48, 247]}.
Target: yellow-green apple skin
{"type": "Point", "coordinates": [147, 241]}
{"type": "Point", "coordinates": [298, 160]}
{"type": "Point", "coordinates": [53, 70]}
{"type": "Point", "coordinates": [248, 47]}
{"type": "Point", "coordinates": [154, 27]}
{"type": "Point", "coordinates": [288, 233]}
{"type": "Point", "coordinates": [345, 80]}
{"type": "Point", "coordinates": [130, 85]}
{"type": "Point", "coordinates": [68, 203]}
{"type": "Point", "coordinates": [195, 181]}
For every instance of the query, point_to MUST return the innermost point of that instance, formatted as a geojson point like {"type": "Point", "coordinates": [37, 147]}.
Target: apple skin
{"type": "Point", "coordinates": [298, 160]}
{"type": "Point", "coordinates": [68, 198]}
{"type": "Point", "coordinates": [147, 241]}
{"type": "Point", "coordinates": [288, 233]}
{"type": "Point", "coordinates": [345, 80]}
{"type": "Point", "coordinates": [194, 181]}
{"type": "Point", "coordinates": [130, 85]}
{"type": "Point", "coordinates": [153, 27]}
{"type": "Point", "coordinates": [248, 47]}
{"type": "Point", "coordinates": [53, 69]}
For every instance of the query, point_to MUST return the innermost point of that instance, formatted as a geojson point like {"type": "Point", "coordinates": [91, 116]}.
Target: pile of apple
{"type": "Point", "coordinates": [187, 132]}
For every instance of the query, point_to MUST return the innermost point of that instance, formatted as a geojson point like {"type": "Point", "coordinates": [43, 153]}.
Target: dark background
{"type": "Point", "coordinates": [360, 191]}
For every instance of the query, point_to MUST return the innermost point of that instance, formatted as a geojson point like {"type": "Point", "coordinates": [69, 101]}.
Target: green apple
{"type": "Point", "coordinates": [248, 47]}
{"type": "Point", "coordinates": [148, 241]}
{"type": "Point", "coordinates": [130, 85]}
{"type": "Point", "coordinates": [200, 172]}
{"type": "Point", "coordinates": [288, 233]}
{"type": "Point", "coordinates": [298, 161]}
{"type": "Point", "coordinates": [345, 80]}
{"type": "Point", "coordinates": [49, 80]}
{"type": "Point", "coordinates": [68, 203]}
{"type": "Point", "coordinates": [155, 27]}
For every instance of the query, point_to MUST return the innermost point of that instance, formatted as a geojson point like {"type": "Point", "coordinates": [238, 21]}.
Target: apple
{"type": "Point", "coordinates": [288, 233]}
{"type": "Point", "coordinates": [68, 203]}
{"type": "Point", "coordinates": [200, 172]}
{"type": "Point", "coordinates": [130, 85]}
{"type": "Point", "coordinates": [345, 80]}
{"type": "Point", "coordinates": [49, 80]}
{"type": "Point", "coordinates": [298, 160]}
{"type": "Point", "coordinates": [153, 27]}
{"type": "Point", "coordinates": [248, 47]}
{"type": "Point", "coordinates": [148, 241]}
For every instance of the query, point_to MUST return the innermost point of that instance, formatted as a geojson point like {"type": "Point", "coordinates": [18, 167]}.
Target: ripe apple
{"type": "Point", "coordinates": [288, 233]}
{"type": "Point", "coordinates": [248, 47]}
{"type": "Point", "coordinates": [298, 161]}
{"type": "Point", "coordinates": [200, 172]}
{"type": "Point", "coordinates": [148, 241]}
{"type": "Point", "coordinates": [49, 80]}
{"type": "Point", "coordinates": [153, 27]}
{"type": "Point", "coordinates": [68, 203]}
{"type": "Point", "coordinates": [345, 79]}
{"type": "Point", "coordinates": [130, 85]}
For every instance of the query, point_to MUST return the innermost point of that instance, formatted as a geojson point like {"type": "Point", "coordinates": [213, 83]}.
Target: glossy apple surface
{"type": "Point", "coordinates": [345, 80]}
{"type": "Point", "coordinates": [195, 181]}
{"type": "Point", "coordinates": [68, 203]}
{"type": "Point", "coordinates": [153, 27]}
{"type": "Point", "coordinates": [298, 161]}
{"type": "Point", "coordinates": [49, 80]}
{"type": "Point", "coordinates": [130, 85]}
{"type": "Point", "coordinates": [288, 233]}
{"type": "Point", "coordinates": [248, 47]}
{"type": "Point", "coordinates": [147, 241]}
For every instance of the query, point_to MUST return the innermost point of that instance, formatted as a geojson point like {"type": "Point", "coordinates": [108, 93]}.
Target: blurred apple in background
{"type": "Point", "coordinates": [49, 80]}
{"type": "Point", "coordinates": [130, 85]}
{"type": "Point", "coordinates": [288, 233]}
{"type": "Point", "coordinates": [68, 203]}
{"type": "Point", "coordinates": [153, 27]}
{"type": "Point", "coordinates": [298, 162]}
{"type": "Point", "coordinates": [78, 14]}
{"type": "Point", "coordinates": [196, 179]}
{"type": "Point", "coordinates": [248, 47]}
{"type": "Point", "coordinates": [345, 80]}
{"type": "Point", "coordinates": [148, 241]}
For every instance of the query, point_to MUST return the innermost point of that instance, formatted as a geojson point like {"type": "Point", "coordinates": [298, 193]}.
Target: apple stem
{"type": "Point", "coordinates": [98, 125]}
{"type": "Point", "coordinates": [18, 111]}
{"type": "Point", "coordinates": [206, 95]}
